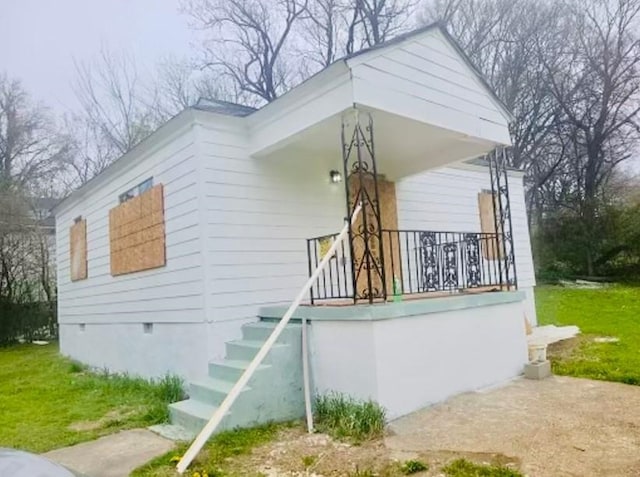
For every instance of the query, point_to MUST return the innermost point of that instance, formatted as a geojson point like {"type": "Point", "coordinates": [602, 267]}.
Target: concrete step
{"type": "Point", "coordinates": [230, 369]}
{"type": "Point", "coordinates": [246, 350]}
{"type": "Point", "coordinates": [261, 330]}
{"type": "Point", "coordinates": [211, 391]}
{"type": "Point", "coordinates": [193, 415]}
{"type": "Point", "coordinates": [274, 392]}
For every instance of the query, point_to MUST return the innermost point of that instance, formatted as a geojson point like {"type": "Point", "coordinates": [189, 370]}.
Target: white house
{"type": "Point", "coordinates": [182, 254]}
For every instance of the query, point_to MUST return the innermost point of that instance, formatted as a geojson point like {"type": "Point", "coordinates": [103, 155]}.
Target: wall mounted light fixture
{"type": "Point", "coordinates": [335, 176]}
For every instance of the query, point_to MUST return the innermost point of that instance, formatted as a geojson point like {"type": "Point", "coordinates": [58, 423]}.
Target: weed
{"type": "Point", "coordinates": [346, 418]}
{"type": "Point", "coordinates": [216, 453]}
{"type": "Point", "coordinates": [76, 367]}
{"type": "Point", "coordinates": [309, 460]}
{"type": "Point", "coordinates": [413, 467]}
{"type": "Point", "coordinates": [170, 388]}
{"type": "Point", "coordinates": [464, 468]}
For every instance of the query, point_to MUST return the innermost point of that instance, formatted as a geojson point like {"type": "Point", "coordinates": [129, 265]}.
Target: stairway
{"type": "Point", "coordinates": [274, 393]}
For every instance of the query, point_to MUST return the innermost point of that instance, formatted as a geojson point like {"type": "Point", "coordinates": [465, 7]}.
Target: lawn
{"type": "Point", "coordinates": [612, 312]}
{"type": "Point", "coordinates": [47, 401]}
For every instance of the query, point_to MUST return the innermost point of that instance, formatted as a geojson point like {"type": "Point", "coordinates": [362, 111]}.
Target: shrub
{"type": "Point", "coordinates": [344, 417]}
{"type": "Point", "coordinates": [26, 321]}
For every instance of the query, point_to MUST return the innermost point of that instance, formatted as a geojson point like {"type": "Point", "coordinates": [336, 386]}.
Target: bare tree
{"type": "Point", "coordinates": [502, 38]}
{"type": "Point", "coordinates": [375, 21]}
{"type": "Point", "coordinates": [594, 75]}
{"type": "Point", "coordinates": [181, 83]}
{"type": "Point", "coordinates": [115, 101]}
{"type": "Point", "coordinates": [247, 40]}
{"type": "Point", "coordinates": [322, 31]}
{"type": "Point", "coordinates": [90, 151]}
{"type": "Point", "coordinates": [31, 149]}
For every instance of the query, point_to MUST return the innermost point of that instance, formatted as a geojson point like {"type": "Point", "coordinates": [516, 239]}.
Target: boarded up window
{"type": "Point", "coordinates": [136, 233]}
{"type": "Point", "coordinates": [78, 250]}
{"type": "Point", "coordinates": [491, 244]}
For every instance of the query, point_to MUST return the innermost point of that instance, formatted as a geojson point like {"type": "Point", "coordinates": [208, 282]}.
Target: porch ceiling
{"type": "Point", "coordinates": [402, 146]}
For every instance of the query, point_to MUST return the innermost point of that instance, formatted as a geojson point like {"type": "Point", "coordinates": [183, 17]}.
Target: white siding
{"type": "Point", "coordinates": [173, 293]}
{"type": "Point", "coordinates": [259, 214]}
{"type": "Point", "coordinates": [447, 199]}
{"type": "Point", "coordinates": [427, 79]}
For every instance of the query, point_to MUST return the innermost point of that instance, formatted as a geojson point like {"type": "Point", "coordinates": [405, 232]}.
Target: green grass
{"type": "Point", "coordinates": [215, 459]}
{"type": "Point", "coordinates": [464, 468]}
{"type": "Point", "coordinates": [345, 418]}
{"type": "Point", "coordinates": [613, 311]}
{"type": "Point", "coordinates": [47, 401]}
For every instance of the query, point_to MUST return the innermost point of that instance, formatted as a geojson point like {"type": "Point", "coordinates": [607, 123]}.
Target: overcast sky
{"type": "Point", "coordinates": [39, 39]}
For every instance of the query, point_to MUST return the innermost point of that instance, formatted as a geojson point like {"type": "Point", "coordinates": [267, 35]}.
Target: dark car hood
{"type": "Point", "coordinates": [14, 463]}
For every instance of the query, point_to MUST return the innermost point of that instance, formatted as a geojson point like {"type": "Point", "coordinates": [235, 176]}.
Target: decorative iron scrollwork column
{"type": "Point", "coordinates": [361, 186]}
{"type": "Point", "coordinates": [472, 251]}
{"type": "Point", "coordinates": [502, 217]}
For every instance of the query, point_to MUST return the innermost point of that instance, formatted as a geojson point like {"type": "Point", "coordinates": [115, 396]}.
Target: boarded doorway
{"type": "Point", "coordinates": [390, 245]}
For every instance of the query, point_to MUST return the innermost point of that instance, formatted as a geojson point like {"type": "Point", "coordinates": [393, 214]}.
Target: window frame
{"type": "Point", "coordinates": [136, 190]}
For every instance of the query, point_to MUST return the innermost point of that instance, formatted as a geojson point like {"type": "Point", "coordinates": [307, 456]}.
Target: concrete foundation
{"type": "Point", "coordinates": [415, 353]}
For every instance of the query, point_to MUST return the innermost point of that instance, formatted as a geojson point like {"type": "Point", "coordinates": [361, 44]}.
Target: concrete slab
{"type": "Point", "coordinates": [173, 432]}
{"type": "Point", "coordinates": [112, 456]}
{"type": "Point", "coordinates": [556, 427]}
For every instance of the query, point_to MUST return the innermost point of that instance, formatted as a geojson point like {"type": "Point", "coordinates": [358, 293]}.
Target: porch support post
{"type": "Point", "coordinates": [361, 186]}
{"type": "Point", "coordinates": [502, 217]}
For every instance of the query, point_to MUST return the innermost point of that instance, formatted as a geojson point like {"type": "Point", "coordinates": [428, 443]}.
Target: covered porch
{"type": "Point", "coordinates": [374, 119]}
{"type": "Point", "coordinates": [382, 259]}
{"type": "Point", "coordinates": [403, 315]}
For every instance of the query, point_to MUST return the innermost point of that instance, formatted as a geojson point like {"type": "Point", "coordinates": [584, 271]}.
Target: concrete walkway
{"type": "Point", "coordinates": [112, 456]}
{"type": "Point", "coordinates": [557, 427]}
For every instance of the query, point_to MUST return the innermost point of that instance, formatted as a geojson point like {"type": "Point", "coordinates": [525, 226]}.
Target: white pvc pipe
{"type": "Point", "coordinates": [228, 401]}
{"type": "Point", "coordinates": [305, 377]}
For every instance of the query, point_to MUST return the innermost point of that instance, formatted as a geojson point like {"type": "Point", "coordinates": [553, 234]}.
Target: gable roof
{"type": "Point", "coordinates": [442, 29]}
{"type": "Point", "coordinates": [235, 109]}
{"type": "Point", "coordinates": [230, 109]}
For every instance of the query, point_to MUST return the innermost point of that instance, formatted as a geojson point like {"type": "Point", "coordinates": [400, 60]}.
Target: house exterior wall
{"type": "Point", "coordinates": [236, 230]}
{"type": "Point", "coordinates": [258, 215]}
{"type": "Point", "coordinates": [101, 318]}
{"type": "Point", "coordinates": [412, 358]}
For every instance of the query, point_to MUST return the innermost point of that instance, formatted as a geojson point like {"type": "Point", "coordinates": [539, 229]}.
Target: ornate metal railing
{"type": "Point", "coordinates": [336, 279]}
{"type": "Point", "coordinates": [426, 261]}
{"type": "Point", "coordinates": [416, 261]}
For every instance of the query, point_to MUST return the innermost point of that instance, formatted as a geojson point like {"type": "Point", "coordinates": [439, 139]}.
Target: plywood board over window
{"type": "Point", "coordinates": [136, 233]}
{"type": "Point", "coordinates": [78, 250]}
{"type": "Point", "coordinates": [492, 244]}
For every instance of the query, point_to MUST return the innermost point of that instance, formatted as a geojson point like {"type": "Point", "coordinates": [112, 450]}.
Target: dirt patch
{"type": "Point", "coordinates": [566, 348]}
{"type": "Point", "coordinates": [296, 453]}
{"type": "Point", "coordinates": [109, 419]}
{"type": "Point", "coordinates": [556, 427]}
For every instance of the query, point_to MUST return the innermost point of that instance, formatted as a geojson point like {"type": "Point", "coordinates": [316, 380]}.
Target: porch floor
{"type": "Point", "coordinates": [409, 297]}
